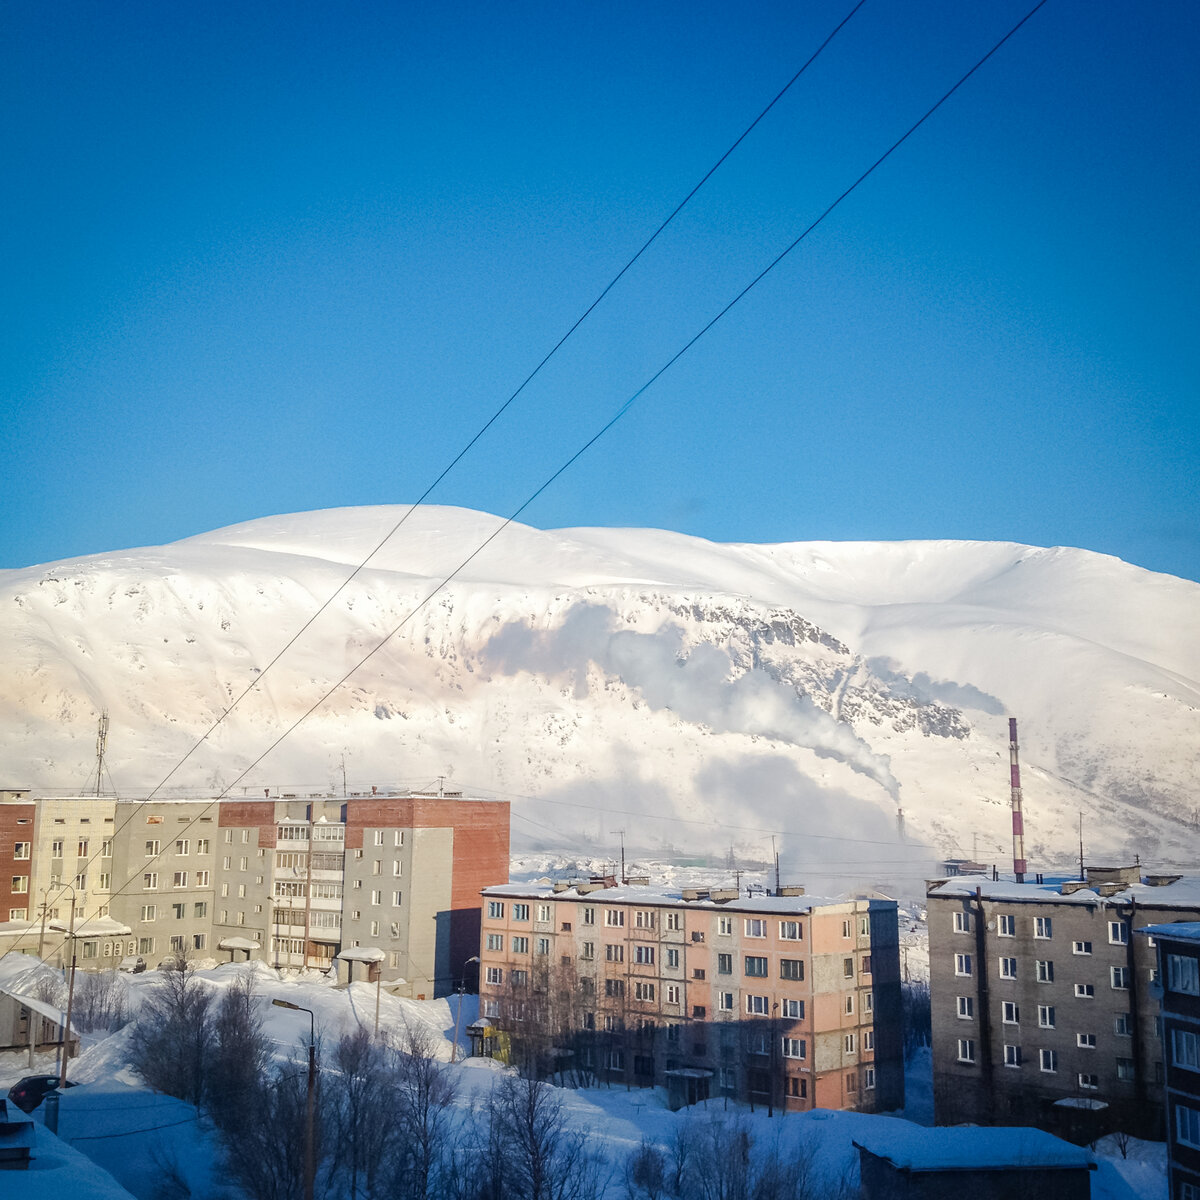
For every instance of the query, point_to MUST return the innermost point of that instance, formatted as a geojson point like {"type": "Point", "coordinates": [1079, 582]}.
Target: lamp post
{"type": "Point", "coordinates": [66, 1048]}
{"type": "Point", "coordinates": [462, 987]}
{"type": "Point", "coordinates": [310, 1169]}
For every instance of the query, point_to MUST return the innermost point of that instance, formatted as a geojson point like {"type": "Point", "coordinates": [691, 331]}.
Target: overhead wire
{"type": "Point", "coordinates": [625, 407]}
{"type": "Point", "coordinates": [257, 680]}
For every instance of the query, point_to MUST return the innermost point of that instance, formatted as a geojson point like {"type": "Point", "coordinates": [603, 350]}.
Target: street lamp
{"type": "Point", "coordinates": [309, 1156]}
{"type": "Point", "coordinates": [462, 987]}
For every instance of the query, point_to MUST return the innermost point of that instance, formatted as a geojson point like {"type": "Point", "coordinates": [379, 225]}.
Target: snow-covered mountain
{"type": "Point", "coordinates": [698, 696]}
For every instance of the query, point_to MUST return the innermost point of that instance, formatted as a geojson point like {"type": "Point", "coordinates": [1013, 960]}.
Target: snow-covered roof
{"type": "Point", "coordinates": [1185, 931]}
{"type": "Point", "coordinates": [1184, 892]}
{"type": "Point", "coordinates": [237, 943]}
{"type": "Point", "coordinates": [93, 927]}
{"type": "Point", "coordinates": [367, 954]}
{"type": "Point", "coordinates": [49, 1011]}
{"type": "Point", "coordinates": [646, 897]}
{"type": "Point", "coordinates": [971, 1148]}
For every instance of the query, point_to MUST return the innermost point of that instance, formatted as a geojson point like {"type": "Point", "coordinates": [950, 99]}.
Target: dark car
{"type": "Point", "coordinates": [29, 1092]}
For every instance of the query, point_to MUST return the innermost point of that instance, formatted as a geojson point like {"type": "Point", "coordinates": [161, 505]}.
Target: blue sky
{"type": "Point", "coordinates": [267, 258]}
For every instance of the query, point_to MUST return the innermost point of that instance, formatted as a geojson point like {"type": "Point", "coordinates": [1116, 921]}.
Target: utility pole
{"type": "Point", "coordinates": [621, 832]}
{"type": "Point", "coordinates": [66, 1050]}
{"type": "Point", "coordinates": [1082, 874]}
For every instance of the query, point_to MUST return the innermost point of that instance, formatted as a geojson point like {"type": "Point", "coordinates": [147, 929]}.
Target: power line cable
{"type": "Point", "coordinates": [254, 683]}
{"type": "Point", "coordinates": [604, 429]}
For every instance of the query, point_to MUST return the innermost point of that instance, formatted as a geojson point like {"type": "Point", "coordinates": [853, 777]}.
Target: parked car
{"type": "Point", "coordinates": [133, 964]}
{"type": "Point", "coordinates": [29, 1092]}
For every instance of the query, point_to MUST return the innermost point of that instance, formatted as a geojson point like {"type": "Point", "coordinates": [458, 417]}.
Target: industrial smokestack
{"type": "Point", "coordinates": [1018, 820]}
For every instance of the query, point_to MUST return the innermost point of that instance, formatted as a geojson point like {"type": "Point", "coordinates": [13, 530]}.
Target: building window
{"type": "Point", "coordinates": [179, 911]}
{"type": "Point", "coordinates": [202, 846]}
{"type": "Point", "coordinates": [150, 881]}
{"type": "Point", "coordinates": [962, 964]}
{"type": "Point", "coordinates": [145, 945]}
{"type": "Point", "coordinates": [587, 951]}
{"type": "Point", "coordinates": [1119, 977]}
{"type": "Point", "coordinates": [724, 927]}
{"type": "Point", "coordinates": [850, 1043]}
{"type": "Point", "coordinates": [1043, 927]}
{"type": "Point", "coordinates": [643, 919]}
{"type": "Point", "coordinates": [724, 964]}
{"type": "Point", "coordinates": [644, 955]}
{"type": "Point", "coordinates": [1045, 1016]}
{"type": "Point", "coordinates": [1006, 925]}
{"type": "Point", "coordinates": [790, 931]}
{"type": "Point", "coordinates": [21, 849]}
{"type": "Point", "coordinates": [643, 991]}
{"type": "Point", "coordinates": [674, 921]}
{"type": "Point", "coordinates": [1085, 1041]}
{"type": "Point", "coordinates": [1118, 933]}
{"type": "Point", "coordinates": [83, 848]}
{"type": "Point", "coordinates": [151, 848]}
{"type": "Point", "coordinates": [793, 1010]}
{"type": "Point", "coordinates": [1012, 1056]}
{"type": "Point", "coordinates": [397, 899]}
{"type": "Point", "coordinates": [614, 987]}
{"type": "Point", "coordinates": [758, 1006]}
{"type": "Point", "coordinates": [1010, 1013]}
{"type": "Point", "coordinates": [966, 1050]}
{"type": "Point", "coordinates": [149, 912]}
{"type": "Point", "coordinates": [797, 1086]}
{"type": "Point", "coordinates": [181, 846]}
{"type": "Point", "coordinates": [847, 968]}
{"type": "Point", "coordinates": [1125, 1070]}
{"type": "Point", "coordinates": [756, 928]}
{"type": "Point", "coordinates": [20, 884]}
{"type": "Point", "coordinates": [795, 1048]}
{"type": "Point", "coordinates": [1081, 947]}
{"type": "Point", "coordinates": [520, 912]}
{"type": "Point", "coordinates": [56, 848]}
{"type": "Point", "coordinates": [494, 975]}
{"type": "Point", "coordinates": [962, 922]}
{"type": "Point", "coordinates": [1008, 968]}
{"type": "Point", "coordinates": [495, 941]}
{"type": "Point", "coordinates": [725, 1001]}
{"type": "Point", "coordinates": [588, 916]}
{"type": "Point", "coordinates": [398, 870]}
{"type": "Point", "coordinates": [756, 966]}
{"type": "Point", "coordinates": [1045, 971]}
{"type": "Point", "coordinates": [966, 1008]}
{"type": "Point", "coordinates": [672, 993]}
{"type": "Point", "coordinates": [1183, 974]}
{"type": "Point", "coordinates": [1048, 1061]}
{"type": "Point", "coordinates": [791, 968]}
{"type": "Point", "coordinates": [1187, 1125]}
{"type": "Point", "coordinates": [520, 945]}
{"type": "Point", "coordinates": [614, 917]}
{"type": "Point", "coordinates": [179, 879]}
{"type": "Point", "coordinates": [1185, 1049]}
{"type": "Point", "coordinates": [614, 954]}
{"type": "Point", "coordinates": [1085, 991]}
{"type": "Point", "coordinates": [1089, 1082]}
{"type": "Point", "coordinates": [202, 879]}
{"type": "Point", "coordinates": [1123, 1025]}
{"type": "Point", "coordinates": [496, 910]}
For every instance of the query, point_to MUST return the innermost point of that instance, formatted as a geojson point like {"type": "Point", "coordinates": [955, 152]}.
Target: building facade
{"type": "Point", "coordinates": [1044, 1003]}
{"type": "Point", "coordinates": [1178, 950]}
{"type": "Point", "coordinates": [288, 880]}
{"type": "Point", "coordinates": [782, 1000]}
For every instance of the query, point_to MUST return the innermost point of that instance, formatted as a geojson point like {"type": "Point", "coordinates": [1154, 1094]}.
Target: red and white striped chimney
{"type": "Point", "coordinates": [1018, 820]}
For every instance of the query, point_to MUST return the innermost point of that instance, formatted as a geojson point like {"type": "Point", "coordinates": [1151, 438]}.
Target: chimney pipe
{"type": "Point", "coordinates": [1018, 823]}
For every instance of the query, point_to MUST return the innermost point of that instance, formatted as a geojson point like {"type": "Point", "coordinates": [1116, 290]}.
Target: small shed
{"type": "Point", "coordinates": [902, 1161]}
{"type": "Point", "coordinates": [22, 1015]}
{"type": "Point", "coordinates": [687, 1086]}
{"type": "Point", "coordinates": [359, 964]}
{"type": "Point", "coordinates": [239, 948]}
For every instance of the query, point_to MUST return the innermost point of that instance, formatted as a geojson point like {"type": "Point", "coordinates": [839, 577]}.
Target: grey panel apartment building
{"type": "Point", "coordinates": [1044, 1003]}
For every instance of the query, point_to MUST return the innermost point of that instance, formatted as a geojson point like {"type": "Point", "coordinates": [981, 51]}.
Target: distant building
{"type": "Point", "coordinates": [786, 1001]}
{"type": "Point", "coordinates": [1178, 948]}
{"type": "Point", "coordinates": [1044, 1004]}
{"type": "Point", "coordinates": [288, 880]}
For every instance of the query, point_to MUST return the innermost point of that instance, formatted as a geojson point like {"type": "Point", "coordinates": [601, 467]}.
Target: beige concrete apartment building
{"type": "Point", "coordinates": [1045, 1007]}
{"type": "Point", "coordinates": [783, 1000]}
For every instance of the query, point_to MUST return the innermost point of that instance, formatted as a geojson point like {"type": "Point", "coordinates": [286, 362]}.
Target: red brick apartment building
{"type": "Point", "coordinates": [783, 1000]}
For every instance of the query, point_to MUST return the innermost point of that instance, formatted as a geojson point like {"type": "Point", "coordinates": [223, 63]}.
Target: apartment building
{"type": "Point", "coordinates": [783, 1000]}
{"type": "Point", "coordinates": [1177, 946]}
{"type": "Point", "coordinates": [1044, 1005]}
{"type": "Point", "coordinates": [288, 880]}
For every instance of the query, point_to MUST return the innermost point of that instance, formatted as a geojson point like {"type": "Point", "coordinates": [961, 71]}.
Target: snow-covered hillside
{"type": "Point", "coordinates": [698, 696]}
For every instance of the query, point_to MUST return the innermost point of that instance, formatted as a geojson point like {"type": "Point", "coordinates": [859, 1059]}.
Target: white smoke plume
{"type": "Point", "coordinates": [701, 687]}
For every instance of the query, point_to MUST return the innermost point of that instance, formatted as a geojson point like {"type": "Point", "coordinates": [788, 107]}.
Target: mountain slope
{"type": "Point", "coordinates": [699, 695]}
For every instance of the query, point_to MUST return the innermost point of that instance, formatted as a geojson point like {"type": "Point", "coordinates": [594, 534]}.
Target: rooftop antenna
{"type": "Point", "coordinates": [1018, 823]}
{"type": "Point", "coordinates": [621, 833]}
{"type": "Point", "coordinates": [1082, 873]}
{"type": "Point", "coordinates": [775, 855]}
{"type": "Point", "coordinates": [101, 741]}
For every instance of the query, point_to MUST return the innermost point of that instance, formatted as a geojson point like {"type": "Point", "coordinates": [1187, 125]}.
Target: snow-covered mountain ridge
{"type": "Point", "coordinates": [691, 692]}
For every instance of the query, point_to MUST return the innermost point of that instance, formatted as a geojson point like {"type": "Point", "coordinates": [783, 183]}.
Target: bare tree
{"type": "Point", "coordinates": [173, 1038]}
{"type": "Point", "coordinates": [425, 1092]}
{"type": "Point", "coordinates": [240, 1056]}
{"type": "Point", "coordinates": [100, 1001]}
{"type": "Point", "coordinates": [361, 1111]}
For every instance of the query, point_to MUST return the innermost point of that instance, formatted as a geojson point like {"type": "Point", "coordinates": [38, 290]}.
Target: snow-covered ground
{"type": "Point", "coordinates": [140, 1137]}
{"type": "Point", "coordinates": [849, 697]}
